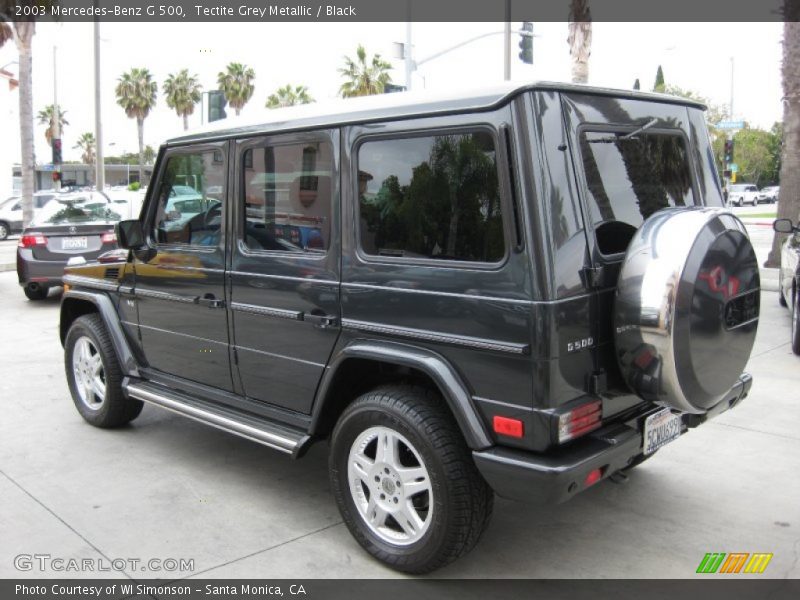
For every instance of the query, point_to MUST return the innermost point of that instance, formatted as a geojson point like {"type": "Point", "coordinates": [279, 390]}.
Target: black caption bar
{"type": "Point", "coordinates": [331, 589]}
{"type": "Point", "coordinates": [271, 11]}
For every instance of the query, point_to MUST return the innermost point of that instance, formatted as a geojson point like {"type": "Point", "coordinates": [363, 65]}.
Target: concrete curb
{"type": "Point", "coordinates": [8, 267]}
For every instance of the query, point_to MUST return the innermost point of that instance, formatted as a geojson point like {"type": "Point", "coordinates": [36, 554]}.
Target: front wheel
{"type": "Point", "coordinates": [94, 375]}
{"type": "Point", "coordinates": [4, 231]}
{"type": "Point", "coordinates": [404, 480]}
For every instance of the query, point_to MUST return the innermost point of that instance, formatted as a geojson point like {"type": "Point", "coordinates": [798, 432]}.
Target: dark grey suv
{"type": "Point", "coordinates": [521, 292]}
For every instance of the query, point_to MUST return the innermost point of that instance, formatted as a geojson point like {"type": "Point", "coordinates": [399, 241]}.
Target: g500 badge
{"type": "Point", "coordinates": [579, 344]}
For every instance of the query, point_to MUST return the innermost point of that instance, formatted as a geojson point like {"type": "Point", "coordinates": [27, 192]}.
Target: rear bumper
{"type": "Point", "coordinates": [44, 272]}
{"type": "Point", "coordinates": [557, 476]}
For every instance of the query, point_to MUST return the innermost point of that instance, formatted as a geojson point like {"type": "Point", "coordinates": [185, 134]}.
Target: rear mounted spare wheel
{"type": "Point", "coordinates": [687, 307]}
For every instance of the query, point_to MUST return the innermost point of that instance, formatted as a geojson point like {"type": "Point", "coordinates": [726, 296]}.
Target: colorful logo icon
{"type": "Point", "coordinates": [736, 562]}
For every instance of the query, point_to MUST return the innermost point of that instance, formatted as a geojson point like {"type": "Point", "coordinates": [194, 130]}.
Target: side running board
{"type": "Point", "coordinates": [257, 429]}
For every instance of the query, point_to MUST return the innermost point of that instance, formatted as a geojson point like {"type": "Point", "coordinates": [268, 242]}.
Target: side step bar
{"type": "Point", "coordinates": [257, 429]}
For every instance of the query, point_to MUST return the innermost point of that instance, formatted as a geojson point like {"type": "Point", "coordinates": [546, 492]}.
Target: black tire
{"type": "Point", "coordinates": [35, 293]}
{"type": "Point", "coordinates": [462, 501]}
{"type": "Point", "coordinates": [796, 322]}
{"type": "Point", "coordinates": [114, 409]}
{"type": "Point", "coordinates": [5, 230]}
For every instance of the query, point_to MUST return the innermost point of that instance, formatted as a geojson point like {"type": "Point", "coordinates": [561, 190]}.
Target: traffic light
{"type": "Point", "coordinates": [526, 43]}
{"type": "Point", "coordinates": [728, 151]}
{"type": "Point", "coordinates": [56, 151]}
{"type": "Point", "coordinates": [216, 106]}
{"type": "Point", "coordinates": [56, 175]}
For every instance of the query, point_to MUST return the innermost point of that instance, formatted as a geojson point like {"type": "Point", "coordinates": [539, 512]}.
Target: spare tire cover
{"type": "Point", "coordinates": [686, 308]}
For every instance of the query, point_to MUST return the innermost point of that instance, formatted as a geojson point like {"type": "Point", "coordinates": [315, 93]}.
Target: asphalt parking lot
{"type": "Point", "coordinates": [167, 487]}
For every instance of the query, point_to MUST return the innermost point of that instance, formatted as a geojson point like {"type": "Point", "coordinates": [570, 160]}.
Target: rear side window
{"type": "Point", "coordinates": [629, 179]}
{"type": "Point", "coordinates": [190, 199]}
{"type": "Point", "coordinates": [433, 197]}
{"type": "Point", "coordinates": [287, 197]}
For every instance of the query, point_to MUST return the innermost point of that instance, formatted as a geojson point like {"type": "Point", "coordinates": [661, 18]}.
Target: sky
{"type": "Point", "coordinates": [694, 56]}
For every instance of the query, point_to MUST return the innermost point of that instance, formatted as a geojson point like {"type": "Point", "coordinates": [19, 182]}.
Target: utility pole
{"type": "Point", "coordinates": [507, 43]}
{"type": "Point", "coordinates": [56, 132]}
{"type": "Point", "coordinates": [100, 167]}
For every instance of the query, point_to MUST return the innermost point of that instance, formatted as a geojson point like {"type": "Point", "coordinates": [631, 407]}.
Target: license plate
{"type": "Point", "coordinates": [660, 429]}
{"type": "Point", "coordinates": [74, 243]}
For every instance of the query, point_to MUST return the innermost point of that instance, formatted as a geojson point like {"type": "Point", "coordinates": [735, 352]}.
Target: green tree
{"type": "Point", "coordinates": [87, 145]}
{"type": "Point", "coordinates": [580, 39]}
{"type": "Point", "coordinates": [149, 155]}
{"type": "Point", "coordinates": [136, 94]}
{"type": "Point", "coordinates": [362, 78]}
{"type": "Point", "coordinates": [46, 117]}
{"type": "Point", "coordinates": [182, 92]}
{"type": "Point", "coordinates": [289, 96]}
{"type": "Point", "coordinates": [754, 155]}
{"type": "Point", "coordinates": [714, 113]}
{"type": "Point", "coordinates": [659, 84]}
{"type": "Point", "coordinates": [236, 82]}
{"type": "Point", "coordinates": [637, 85]}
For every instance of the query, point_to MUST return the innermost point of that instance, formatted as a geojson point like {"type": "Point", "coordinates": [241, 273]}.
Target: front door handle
{"type": "Point", "coordinates": [210, 300]}
{"type": "Point", "coordinates": [321, 320]}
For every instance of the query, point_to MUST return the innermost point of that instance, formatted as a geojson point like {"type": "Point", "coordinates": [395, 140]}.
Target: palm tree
{"type": "Point", "coordinates": [136, 93]}
{"type": "Point", "coordinates": [288, 96]}
{"type": "Point", "coordinates": [236, 82]}
{"type": "Point", "coordinates": [182, 92]}
{"type": "Point", "coordinates": [23, 36]}
{"type": "Point", "coordinates": [364, 79]}
{"type": "Point", "coordinates": [46, 118]}
{"type": "Point", "coordinates": [87, 144]}
{"type": "Point", "coordinates": [580, 39]}
{"type": "Point", "coordinates": [789, 202]}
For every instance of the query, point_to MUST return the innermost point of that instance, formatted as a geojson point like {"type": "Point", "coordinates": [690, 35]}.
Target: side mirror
{"type": "Point", "coordinates": [783, 226]}
{"type": "Point", "coordinates": [129, 234]}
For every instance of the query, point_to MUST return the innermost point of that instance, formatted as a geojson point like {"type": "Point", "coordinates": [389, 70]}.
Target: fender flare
{"type": "Point", "coordinates": [105, 307]}
{"type": "Point", "coordinates": [446, 378]}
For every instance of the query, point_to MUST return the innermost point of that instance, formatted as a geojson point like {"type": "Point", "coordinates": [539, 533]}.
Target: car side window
{"type": "Point", "coordinates": [432, 197]}
{"type": "Point", "coordinates": [287, 191]}
{"type": "Point", "coordinates": [190, 197]}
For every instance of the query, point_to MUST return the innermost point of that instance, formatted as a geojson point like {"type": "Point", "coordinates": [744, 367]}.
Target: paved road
{"type": "Point", "coordinates": [167, 487]}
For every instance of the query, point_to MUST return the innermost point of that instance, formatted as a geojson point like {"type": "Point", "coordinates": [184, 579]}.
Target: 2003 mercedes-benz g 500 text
{"type": "Point", "coordinates": [523, 292]}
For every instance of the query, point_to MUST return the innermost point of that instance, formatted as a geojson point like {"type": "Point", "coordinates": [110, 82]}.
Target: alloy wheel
{"type": "Point", "coordinates": [88, 373]}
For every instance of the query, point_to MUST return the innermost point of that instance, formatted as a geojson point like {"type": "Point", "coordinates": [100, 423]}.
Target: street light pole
{"type": "Point", "coordinates": [507, 43]}
{"type": "Point", "coordinates": [731, 106]}
{"type": "Point", "coordinates": [100, 167]}
{"type": "Point", "coordinates": [56, 131]}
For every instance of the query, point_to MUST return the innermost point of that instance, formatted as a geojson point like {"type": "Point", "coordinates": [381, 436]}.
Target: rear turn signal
{"type": "Point", "coordinates": [30, 240]}
{"type": "Point", "coordinates": [510, 427]}
{"type": "Point", "coordinates": [580, 421]}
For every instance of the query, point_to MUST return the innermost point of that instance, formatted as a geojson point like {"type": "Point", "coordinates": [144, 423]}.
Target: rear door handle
{"type": "Point", "coordinates": [210, 301]}
{"type": "Point", "coordinates": [322, 321]}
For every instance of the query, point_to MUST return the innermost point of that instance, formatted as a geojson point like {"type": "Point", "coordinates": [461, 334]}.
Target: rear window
{"type": "Point", "coordinates": [77, 209]}
{"type": "Point", "coordinates": [629, 179]}
{"type": "Point", "coordinates": [433, 197]}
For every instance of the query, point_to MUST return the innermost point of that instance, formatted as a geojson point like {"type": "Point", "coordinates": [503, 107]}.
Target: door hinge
{"type": "Point", "coordinates": [597, 383]}
{"type": "Point", "coordinates": [592, 277]}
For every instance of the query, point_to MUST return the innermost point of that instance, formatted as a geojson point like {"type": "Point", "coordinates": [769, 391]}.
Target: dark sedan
{"type": "Point", "coordinates": [73, 226]}
{"type": "Point", "coordinates": [789, 276]}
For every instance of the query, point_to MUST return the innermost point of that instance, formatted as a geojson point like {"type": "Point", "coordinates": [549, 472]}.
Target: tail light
{"type": "Point", "coordinates": [579, 421]}
{"type": "Point", "coordinates": [29, 240]}
{"type": "Point", "coordinates": [109, 237]}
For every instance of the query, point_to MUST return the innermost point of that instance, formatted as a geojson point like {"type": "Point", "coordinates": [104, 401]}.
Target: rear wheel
{"type": "Point", "coordinates": [94, 375]}
{"type": "Point", "coordinates": [4, 230]}
{"type": "Point", "coordinates": [404, 480]}
{"type": "Point", "coordinates": [34, 291]}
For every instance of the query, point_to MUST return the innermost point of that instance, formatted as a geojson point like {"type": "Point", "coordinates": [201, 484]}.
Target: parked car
{"type": "Point", "coordinates": [740, 194]}
{"type": "Point", "coordinates": [11, 212]}
{"type": "Point", "coordinates": [789, 276]}
{"type": "Point", "coordinates": [524, 291]}
{"type": "Point", "coordinates": [70, 226]}
{"type": "Point", "coordinates": [769, 194]}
